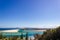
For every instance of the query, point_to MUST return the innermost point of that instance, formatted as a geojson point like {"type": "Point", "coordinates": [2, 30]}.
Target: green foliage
{"type": "Point", "coordinates": [52, 34]}
{"type": "Point", "coordinates": [0, 35]}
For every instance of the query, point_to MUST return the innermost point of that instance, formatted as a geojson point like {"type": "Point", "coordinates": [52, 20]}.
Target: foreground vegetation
{"type": "Point", "coordinates": [52, 34]}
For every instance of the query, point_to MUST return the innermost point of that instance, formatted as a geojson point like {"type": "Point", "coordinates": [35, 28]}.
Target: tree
{"type": "Point", "coordinates": [52, 34]}
{"type": "Point", "coordinates": [0, 35]}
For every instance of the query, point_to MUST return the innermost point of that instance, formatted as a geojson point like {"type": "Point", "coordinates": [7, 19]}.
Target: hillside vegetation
{"type": "Point", "coordinates": [52, 34]}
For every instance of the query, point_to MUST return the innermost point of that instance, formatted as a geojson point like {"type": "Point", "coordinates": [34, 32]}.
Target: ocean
{"type": "Point", "coordinates": [19, 34]}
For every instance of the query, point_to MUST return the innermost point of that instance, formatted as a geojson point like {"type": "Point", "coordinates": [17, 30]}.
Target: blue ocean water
{"type": "Point", "coordinates": [19, 33]}
{"type": "Point", "coordinates": [33, 33]}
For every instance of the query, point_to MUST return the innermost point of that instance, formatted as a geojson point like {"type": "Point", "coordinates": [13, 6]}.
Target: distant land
{"type": "Point", "coordinates": [26, 28]}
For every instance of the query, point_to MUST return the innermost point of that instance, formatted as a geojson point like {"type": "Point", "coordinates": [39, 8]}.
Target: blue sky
{"type": "Point", "coordinates": [30, 13]}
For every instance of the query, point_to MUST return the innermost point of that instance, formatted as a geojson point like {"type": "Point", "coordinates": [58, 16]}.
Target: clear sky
{"type": "Point", "coordinates": [29, 13]}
